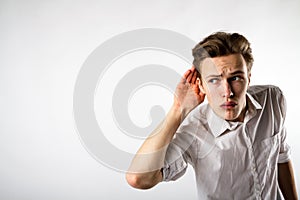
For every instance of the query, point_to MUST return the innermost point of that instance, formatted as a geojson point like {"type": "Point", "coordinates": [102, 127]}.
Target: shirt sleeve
{"type": "Point", "coordinates": [285, 150]}
{"type": "Point", "coordinates": [175, 163]}
{"type": "Point", "coordinates": [180, 152]}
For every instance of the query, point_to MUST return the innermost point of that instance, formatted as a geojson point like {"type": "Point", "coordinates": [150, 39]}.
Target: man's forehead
{"type": "Point", "coordinates": [223, 64]}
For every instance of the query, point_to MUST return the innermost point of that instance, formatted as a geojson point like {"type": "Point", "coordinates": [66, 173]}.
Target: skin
{"type": "Point", "coordinates": [224, 81]}
{"type": "Point", "coordinates": [286, 181]}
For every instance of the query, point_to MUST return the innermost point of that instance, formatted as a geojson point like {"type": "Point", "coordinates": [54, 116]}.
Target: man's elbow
{"type": "Point", "coordinates": [134, 180]}
{"type": "Point", "coordinates": [141, 181]}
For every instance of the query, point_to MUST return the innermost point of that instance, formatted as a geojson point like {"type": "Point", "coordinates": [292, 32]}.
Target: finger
{"type": "Point", "coordinates": [196, 89]}
{"type": "Point", "coordinates": [202, 95]}
{"type": "Point", "coordinates": [198, 74]}
{"type": "Point", "coordinates": [189, 77]}
{"type": "Point", "coordinates": [194, 77]}
{"type": "Point", "coordinates": [185, 75]}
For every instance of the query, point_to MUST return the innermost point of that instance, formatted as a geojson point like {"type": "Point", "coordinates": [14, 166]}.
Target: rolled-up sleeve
{"type": "Point", "coordinates": [173, 169]}
{"type": "Point", "coordinates": [180, 152]}
{"type": "Point", "coordinates": [285, 150]}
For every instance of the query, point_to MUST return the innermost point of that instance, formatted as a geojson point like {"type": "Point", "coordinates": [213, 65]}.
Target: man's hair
{"type": "Point", "coordinates": [222, 44]}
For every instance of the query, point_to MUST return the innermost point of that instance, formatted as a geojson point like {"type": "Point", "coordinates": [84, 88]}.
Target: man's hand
{"type": "Point", "coordinates": [188, 94]}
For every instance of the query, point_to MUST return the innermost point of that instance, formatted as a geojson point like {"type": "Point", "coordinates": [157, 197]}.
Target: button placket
{"type": "Point", "coordinates": [257, 186]}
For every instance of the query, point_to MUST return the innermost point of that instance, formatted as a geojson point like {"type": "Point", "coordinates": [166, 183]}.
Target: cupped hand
{"type": "Point", "coordinates": [188, 94]}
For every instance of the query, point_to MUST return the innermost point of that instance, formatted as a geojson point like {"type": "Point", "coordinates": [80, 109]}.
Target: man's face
{"type": "Point", "coordinates": [225, 81]}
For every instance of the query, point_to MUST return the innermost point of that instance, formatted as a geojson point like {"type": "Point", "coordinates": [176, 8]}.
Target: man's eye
{"type": "Point", "coordinates": [213, 81]}
{"type": "Point", "coordinates": [236, 78]}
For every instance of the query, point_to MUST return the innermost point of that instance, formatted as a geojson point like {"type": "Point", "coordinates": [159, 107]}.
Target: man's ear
{"type": "Point", "coordinates": [249, 78]}
{"type": "Point", "coordinates": [201, 85]}
{"type": "Point", "coordinates": [199, 80]}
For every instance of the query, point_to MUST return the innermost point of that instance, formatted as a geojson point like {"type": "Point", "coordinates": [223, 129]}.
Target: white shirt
{"type": "Point", "coordinates": [233, 160]}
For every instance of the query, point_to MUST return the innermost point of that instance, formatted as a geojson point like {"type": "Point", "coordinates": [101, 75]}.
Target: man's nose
{"type": "Point", "coordinates": [227, 91]}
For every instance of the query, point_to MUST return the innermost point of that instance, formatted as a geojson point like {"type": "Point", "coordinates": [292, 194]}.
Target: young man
{"type": "Point", "coordinates": [236, 143]}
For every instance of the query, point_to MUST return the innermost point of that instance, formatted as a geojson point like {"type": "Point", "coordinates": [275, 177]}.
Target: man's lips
{"type": "Point", "coordinates": [228, 105]}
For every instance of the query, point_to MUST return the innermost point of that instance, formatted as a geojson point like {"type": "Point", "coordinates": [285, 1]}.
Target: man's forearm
{"type": "Point", "coordinates": [144, 171]}
{"type": "Point", "coordinates": [286, 181]}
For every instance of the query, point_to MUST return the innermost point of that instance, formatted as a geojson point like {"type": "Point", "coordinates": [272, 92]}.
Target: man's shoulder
{"type": "Point", "coordinates": [268, 96]}
{"type": "Point", "coordinates": [197, 116]}
{"type": "Point", "coordinates": [262, 90]}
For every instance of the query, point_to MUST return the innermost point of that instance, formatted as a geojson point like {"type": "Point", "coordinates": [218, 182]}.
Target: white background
{"type": "Point", "coordinates": [42, 47]}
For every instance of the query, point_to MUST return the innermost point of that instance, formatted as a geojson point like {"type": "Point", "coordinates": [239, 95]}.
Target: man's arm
{"type": "Point", "coordinates": [145, 169]}
{"type": "Point", "coordinates": [286, 181]}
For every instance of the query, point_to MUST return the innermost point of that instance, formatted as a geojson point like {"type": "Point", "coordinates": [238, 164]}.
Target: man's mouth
{"type": "Point", "coordinates": [229, 105]}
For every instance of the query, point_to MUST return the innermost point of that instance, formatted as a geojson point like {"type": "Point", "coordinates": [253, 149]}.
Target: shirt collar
{"type": "Point", "coordinates": [218, 125]}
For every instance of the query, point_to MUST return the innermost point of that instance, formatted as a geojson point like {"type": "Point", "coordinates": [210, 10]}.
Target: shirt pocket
{"type": "Point", "coordinates": [267, 155]}
{"type": "Point", "coordinates": [269, 150]}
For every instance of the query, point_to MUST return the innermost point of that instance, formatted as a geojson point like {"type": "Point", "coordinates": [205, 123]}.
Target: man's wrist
{"type": "Point", "coordinates": [178, 112]}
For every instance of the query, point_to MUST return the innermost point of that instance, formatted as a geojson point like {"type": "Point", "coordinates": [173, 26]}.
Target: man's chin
{"type": "Point", "coordinates": [231, 116]}
{"type": "Point", "coordinates": [235, 118]}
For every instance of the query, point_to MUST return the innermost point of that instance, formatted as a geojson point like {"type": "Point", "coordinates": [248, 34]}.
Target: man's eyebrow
{"type": "Point", "coordinates": [220, 75]}
{"type": "Point", "coordinates": [213, 76]}
{"type": "Point", "coordinates": [237, 72]}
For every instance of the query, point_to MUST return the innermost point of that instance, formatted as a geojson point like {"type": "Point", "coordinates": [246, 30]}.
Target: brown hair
{"type": "Point", "coordinates": [222, 44]}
